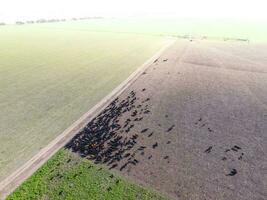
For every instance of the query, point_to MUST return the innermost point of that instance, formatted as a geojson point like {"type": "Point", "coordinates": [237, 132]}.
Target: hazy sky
{"type": "Point", "coordinates": [11, 10]}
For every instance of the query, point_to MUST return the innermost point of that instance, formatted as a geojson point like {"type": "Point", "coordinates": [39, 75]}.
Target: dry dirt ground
{"type": "Point", "coordinates": [193, 126]}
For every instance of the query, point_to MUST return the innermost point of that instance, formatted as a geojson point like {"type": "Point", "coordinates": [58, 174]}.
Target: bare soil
{"type": "Point", "coordinates": [193, 126]}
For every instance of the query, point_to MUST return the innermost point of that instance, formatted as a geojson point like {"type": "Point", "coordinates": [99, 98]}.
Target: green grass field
{"type": "Point", "coordinates": [49, 77]}
{"type": "Point", "coordinates": [66, 176]}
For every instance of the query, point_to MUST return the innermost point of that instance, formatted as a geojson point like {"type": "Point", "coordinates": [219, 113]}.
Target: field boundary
{"type": "Point", "coordinates": [9, 184]}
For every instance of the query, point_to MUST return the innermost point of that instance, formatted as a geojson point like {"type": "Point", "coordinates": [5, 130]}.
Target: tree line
{"type": "Point", "coordinates": [50, 20]}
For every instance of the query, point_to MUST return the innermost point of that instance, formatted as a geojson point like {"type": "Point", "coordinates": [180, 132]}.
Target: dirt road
{"type": "Point", "coordinates": [193, 126]}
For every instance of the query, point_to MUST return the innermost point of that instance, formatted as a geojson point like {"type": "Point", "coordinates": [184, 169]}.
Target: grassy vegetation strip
{"type": "Point", "coordinates": [67, 176]}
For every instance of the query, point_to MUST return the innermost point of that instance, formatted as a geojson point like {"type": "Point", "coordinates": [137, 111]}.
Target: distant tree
{"type": "Point", "coordinates": [2, 24]}
{"type": "Point", "coordinates": [41, 21]}
{"type": "Point", "coordinates": [51, 20]}
{"type": "Point", "coordinates": [98, 17]}
{"type": "Point", "coordinates": [30, 22]}
{"type": "Point", "coordinates": [19, 23]}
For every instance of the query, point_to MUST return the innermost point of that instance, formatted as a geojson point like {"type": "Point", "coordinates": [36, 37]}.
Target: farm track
{"type": "Point", "coordinates": [188, 130]}
{"type": "Point", "coordinates": [15, 179]}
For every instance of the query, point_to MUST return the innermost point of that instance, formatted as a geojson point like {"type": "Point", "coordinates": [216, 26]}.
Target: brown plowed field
{"type": "Point", "coordinates": [193, 126]}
